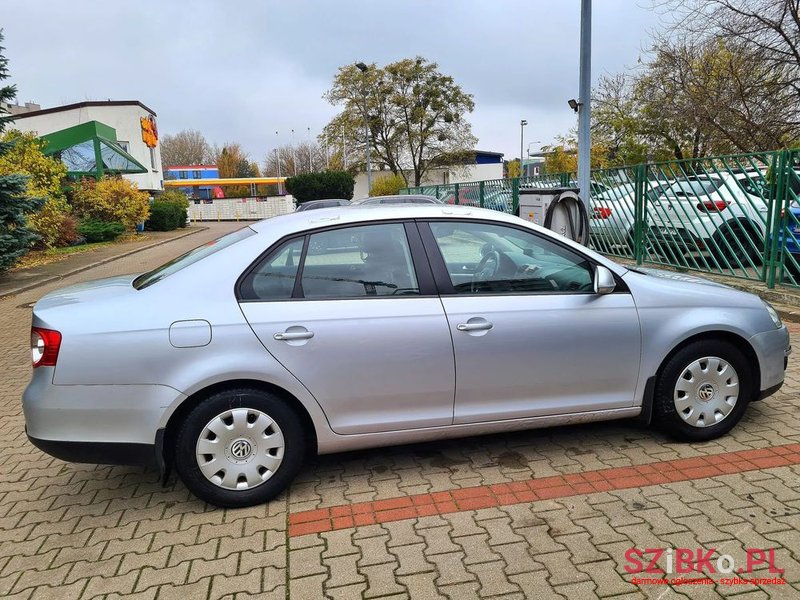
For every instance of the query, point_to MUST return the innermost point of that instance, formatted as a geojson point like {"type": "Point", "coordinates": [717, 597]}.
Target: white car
{"type": "Point", "coordinates": [613, 216]}
{"type": "Point", "coordinates": [722, 215]}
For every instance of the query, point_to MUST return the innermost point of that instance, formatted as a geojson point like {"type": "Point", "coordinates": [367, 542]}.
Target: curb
{"type": "Point", "coordinates": [41, 282]}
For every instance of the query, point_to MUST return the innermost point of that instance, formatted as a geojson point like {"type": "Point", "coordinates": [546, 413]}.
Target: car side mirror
{"type": "Point", "coordinates": [604, 282]}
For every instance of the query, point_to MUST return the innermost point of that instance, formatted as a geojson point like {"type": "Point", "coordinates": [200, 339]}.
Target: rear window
{"type": "Point", "coordinates": [696, 187]}
{"type": "Point", "coordinates": [191, 257]}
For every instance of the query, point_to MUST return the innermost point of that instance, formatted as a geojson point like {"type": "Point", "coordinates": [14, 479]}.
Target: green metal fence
{"type": "Point", "coordinates": [735, 215]}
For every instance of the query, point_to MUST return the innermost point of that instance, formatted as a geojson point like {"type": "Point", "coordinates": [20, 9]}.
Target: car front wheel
{"type": "Point", "coordinates": [703, 391]}
{"type": "Point", "coordinates": [239, 447]}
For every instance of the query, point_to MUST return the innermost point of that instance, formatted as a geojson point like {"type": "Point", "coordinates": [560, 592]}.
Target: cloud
{"type": "Point", "coordinates": [240, 71]}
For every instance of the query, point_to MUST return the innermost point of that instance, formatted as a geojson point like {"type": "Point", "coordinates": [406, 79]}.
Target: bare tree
{"type": "Point", "coordinates": [697, 94]}
{"type": "Point", "coordinates": [187, 147]}
{"type": "Point", "coordinates": [770, 28]}
{"type": "Point", "coordinates": [304, 157]}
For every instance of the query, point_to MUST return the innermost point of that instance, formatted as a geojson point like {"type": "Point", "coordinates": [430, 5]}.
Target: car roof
{"type": "Point", "coordinates": [403, 196]}
{"type": "Point", "coordinates": [322, 217]}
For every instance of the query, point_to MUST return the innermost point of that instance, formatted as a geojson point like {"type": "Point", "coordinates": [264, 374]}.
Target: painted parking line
{"type": "Point", "coordinates": [561, 486]}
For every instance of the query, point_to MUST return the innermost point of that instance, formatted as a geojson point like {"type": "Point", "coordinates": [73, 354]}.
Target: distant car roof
{"type": "Point", "coordinates": [326, 203]}
{"type": "Point", "coordinates": [402, 199]}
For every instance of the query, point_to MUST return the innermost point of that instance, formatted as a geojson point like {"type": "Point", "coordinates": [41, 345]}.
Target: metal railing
{"type": "Point", "coordinates": [736, 215]}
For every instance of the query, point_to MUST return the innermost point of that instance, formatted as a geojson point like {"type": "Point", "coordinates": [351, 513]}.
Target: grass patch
{"type": "Point", "coordinates": [38, 258]}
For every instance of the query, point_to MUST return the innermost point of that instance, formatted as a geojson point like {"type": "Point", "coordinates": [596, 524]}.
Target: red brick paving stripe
{"type": "Point", "coordinates": [559, 486]}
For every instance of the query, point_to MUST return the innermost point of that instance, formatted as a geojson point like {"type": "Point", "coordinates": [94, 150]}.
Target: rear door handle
{"type": "Point", "coordinates": [483, 326]}
{"type": "Point", "coordinates": [288, 336]}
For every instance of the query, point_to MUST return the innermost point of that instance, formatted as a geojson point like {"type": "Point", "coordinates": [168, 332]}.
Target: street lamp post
{"type": "Point", "coordinates": [522, 124]}
{"type": "Point", "coordinates": [363, 68]}
{"type": "Point", "coordinates": [583, 105]}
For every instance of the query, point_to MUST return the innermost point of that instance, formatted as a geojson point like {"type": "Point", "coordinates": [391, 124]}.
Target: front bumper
{"type": "Point", "coordinates": [772, 348]}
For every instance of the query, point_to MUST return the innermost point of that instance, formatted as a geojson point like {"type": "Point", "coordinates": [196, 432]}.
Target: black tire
{"type": "Point", "coordinates": [666, 415]}
{"type": "Point", "coordinates": [276, 408]}
{"type": "Point", "coordinates": [740, 243]}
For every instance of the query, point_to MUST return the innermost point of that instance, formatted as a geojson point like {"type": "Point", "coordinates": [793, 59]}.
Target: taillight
{"type": "Point", "coordinates": [44, 347]}
{"type": "Point", "coordinates": [601, 212]}
{"type": "Point", "coordinates": [712, 205]}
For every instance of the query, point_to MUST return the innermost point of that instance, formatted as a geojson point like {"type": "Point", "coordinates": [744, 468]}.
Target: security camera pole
{"type": "Point", "coordinates": [363, 68]}
{"type": "Point", "coordinates": [584, 104]}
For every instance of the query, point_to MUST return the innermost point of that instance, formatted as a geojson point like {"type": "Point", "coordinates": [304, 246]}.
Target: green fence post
{"type": "Point", "coordinates": [777, 204]}
{"type": "Point", "coordinates": [639, 216]}
{"type": "Point", "coordinates": [515, 195]}
{"type": "Point", "coordinates": [437, 192]}
{"type": "Point", "coordinates": [481, 189]}
{"type": "Point", "coordinates": [455, 191]}
{"type": "Point", "coordinates": [564, 179]}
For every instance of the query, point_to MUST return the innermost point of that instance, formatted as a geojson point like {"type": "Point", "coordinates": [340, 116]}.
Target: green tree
{"type": "Point", "coordinates": [562, 157]}
{"type": "Point", "coordinates": [387, 185]}
{"type": "Point", "coordinates": [415, 116]}
{"type": "Point", "coordinates": [233, 162]}
{"type": "Point", "coordinates": [111, 199]}
{"type": "Point", "coordinates": [318, 186]}
{"type": "Point", "coordinates": [45, 179]}
{"type": "Point", "coordinates": [26, 155]}
{"type": "Point", "coordinates": [513, 169]}
{"type": "Point", "coordinates": [16, 205]}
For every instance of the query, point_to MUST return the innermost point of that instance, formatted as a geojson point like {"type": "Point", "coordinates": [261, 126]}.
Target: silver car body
{"type": "Point", "coordinates": [378, 371]}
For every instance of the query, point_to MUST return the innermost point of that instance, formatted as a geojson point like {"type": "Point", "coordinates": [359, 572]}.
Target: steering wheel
{"type": "Point", "coordinates": [486, 270]}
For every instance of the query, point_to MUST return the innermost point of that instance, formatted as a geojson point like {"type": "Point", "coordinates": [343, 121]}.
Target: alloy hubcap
{"type": "Point", "coordinates": [240, 449]}
{"type": "Point", "coordinates": [706, 391]}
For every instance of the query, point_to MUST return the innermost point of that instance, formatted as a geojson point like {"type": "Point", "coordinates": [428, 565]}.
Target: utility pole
{"type": "Point", "coordinates": [278, 159]}
{"type": "Point", "coordinates": [310, 152]}
{"type": "Point", "coordinates": [344, 149]}
{"type": "Point", "coordinates": [522, 124]}
{"type": "Point", "coordinates": [294, 155]}
{"type": "Point", "coordinates": [584, 105]}
{"type": "Point", "coordinates": [363, 68]}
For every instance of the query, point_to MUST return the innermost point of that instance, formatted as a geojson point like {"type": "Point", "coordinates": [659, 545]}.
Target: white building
{"type": "Point", "coordinates": [133, 125]}
{"type": "Point", "coordinates": [486, 165]}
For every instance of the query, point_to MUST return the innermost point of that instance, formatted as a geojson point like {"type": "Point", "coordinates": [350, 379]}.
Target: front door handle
{"type": "Point", "coordinates": [288, 336]}
{"type": "Point", "coordinates": [480, 326]}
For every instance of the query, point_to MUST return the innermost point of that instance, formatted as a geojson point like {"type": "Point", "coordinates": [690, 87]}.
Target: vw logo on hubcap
{"type": "Point", "coordinates": [241, 449]}
{"type": "Point", "coordinates": [705, 392]}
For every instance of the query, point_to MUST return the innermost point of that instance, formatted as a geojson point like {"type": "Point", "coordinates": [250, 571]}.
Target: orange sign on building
{"type": "Point", "coordinates": [149, 131]}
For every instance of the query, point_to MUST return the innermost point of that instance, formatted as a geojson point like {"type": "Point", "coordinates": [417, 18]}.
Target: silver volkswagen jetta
{"type": "Point", "coordinates": [347, 328]}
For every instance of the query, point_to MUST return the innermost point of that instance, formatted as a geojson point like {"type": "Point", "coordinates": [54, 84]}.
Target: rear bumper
{"type": "Point", "coordinates": [87, 422]}
{"type": "Point", "coordinates": [101, 453]}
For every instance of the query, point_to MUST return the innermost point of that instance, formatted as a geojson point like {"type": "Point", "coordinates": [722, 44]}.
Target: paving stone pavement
{"type": "Point", "coordinates": [86, 531]}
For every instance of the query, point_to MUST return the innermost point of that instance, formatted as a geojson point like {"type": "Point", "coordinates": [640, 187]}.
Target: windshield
{"type": "Point", "coordinates": [183, 261]}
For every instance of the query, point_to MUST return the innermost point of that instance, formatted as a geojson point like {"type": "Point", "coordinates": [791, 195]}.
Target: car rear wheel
{"type": "Point", "coordinates": [740, 245]}
{"type": "Point", "coordinates": [239, 447]}
{"type": "Point", "coordinates": [703, 391]}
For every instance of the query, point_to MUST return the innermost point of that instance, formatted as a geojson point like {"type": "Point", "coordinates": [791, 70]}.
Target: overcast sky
{"type": "Point", "coordinates": [241, 70]}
